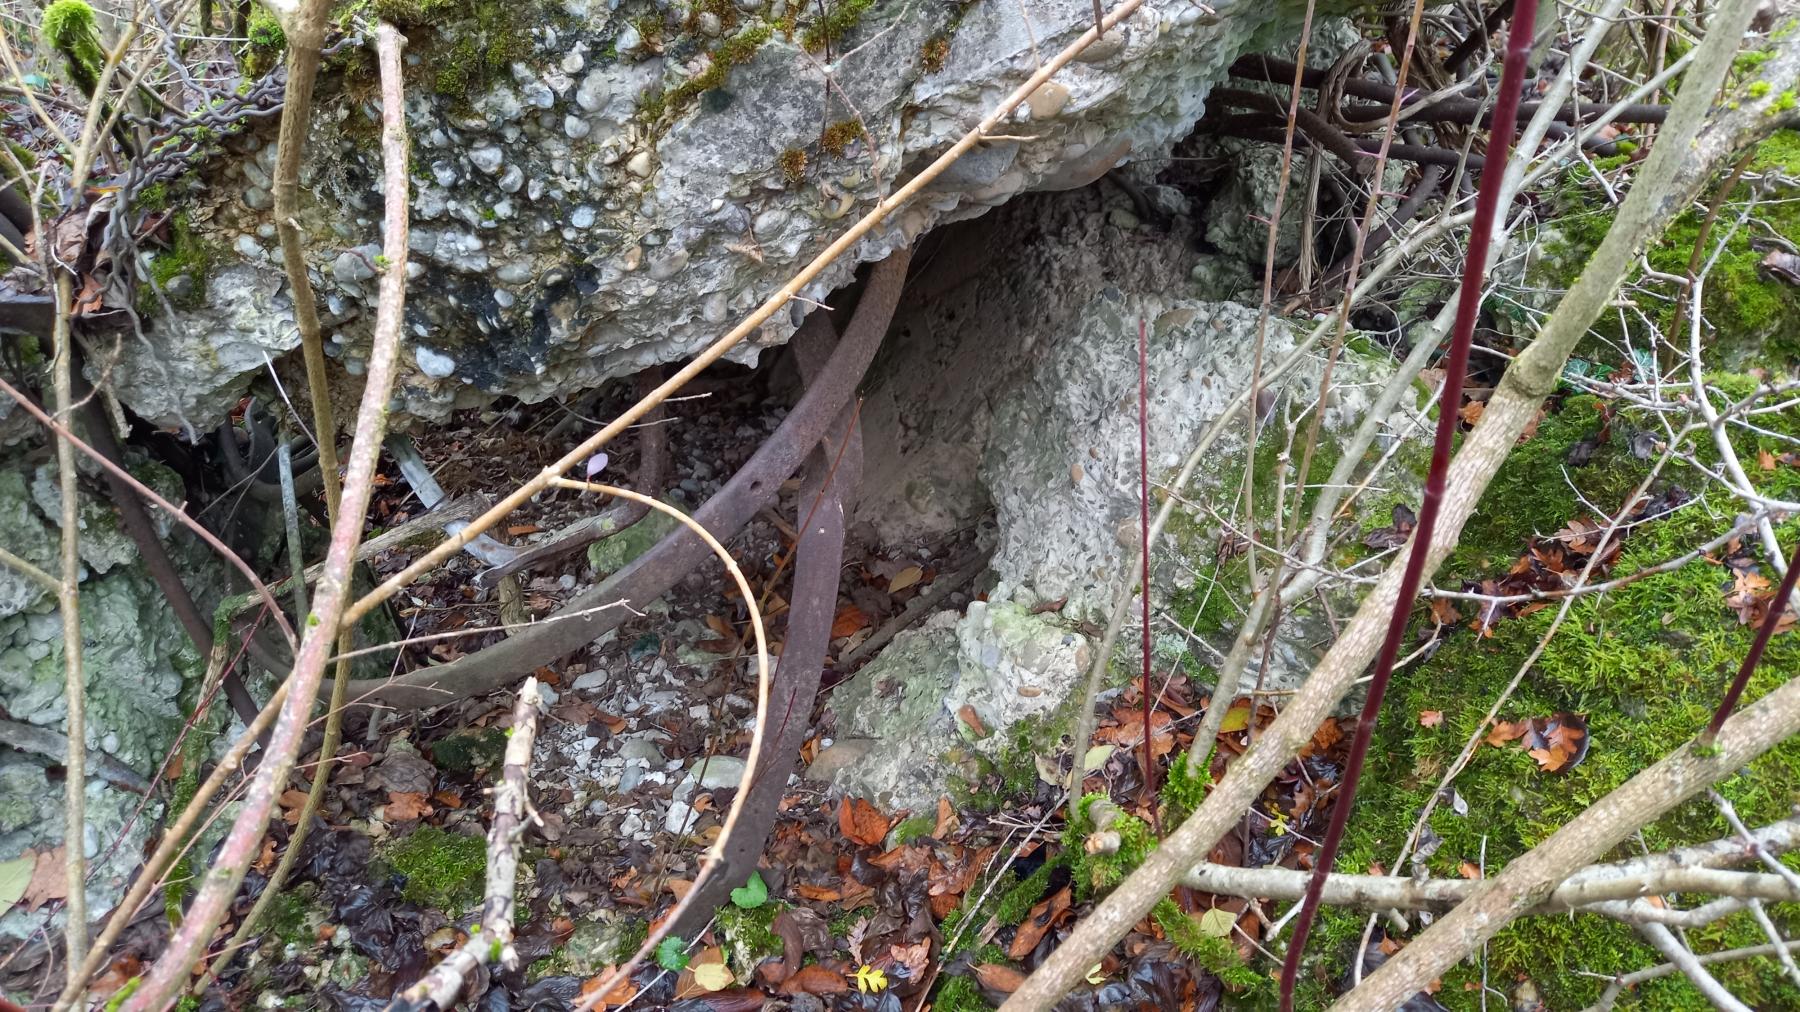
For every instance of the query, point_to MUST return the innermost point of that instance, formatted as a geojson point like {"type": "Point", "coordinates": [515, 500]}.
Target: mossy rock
{"type": "Point", "coordinates": [469, 749]}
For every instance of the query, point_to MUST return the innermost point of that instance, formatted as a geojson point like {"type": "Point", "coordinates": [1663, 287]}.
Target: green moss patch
{"type": "Point", "coordinates": [1754, 313]}
{"type": "Point", "coordinates": [444, 871]}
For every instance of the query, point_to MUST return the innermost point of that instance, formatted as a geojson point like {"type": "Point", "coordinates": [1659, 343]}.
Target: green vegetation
{"type": "Point", "coordinates": [189, 256]}
{"type": "Point", "coordinates": [1752, 311]}
{"type": "Point", "coordinates": [912, 830]}
{"type": "Point", "coordinates": [837, 137]}
{"type": "Point", "coordinates": [838, 19]}
{"type": "Point", "coordinates": [268, 43]}
{"type": "Point", "coordinates": [793, 165]}
{"type": "Point", "coordinates": [444, 871]}
{"type": "Point", "coordinates": [960, 994]}
{"type": "Point", "coordinates": [468, 750]}
{"type": "Point", "coordinates": [748, 930]}
{"type": "Point", "coordinates": [1645, 663]}
{"type": "Point", "coordinates": [69, 28]}
{"type": "Point", "coordinates": [934, 53]}
{"type": "Point", "coordinates": [732, 52]}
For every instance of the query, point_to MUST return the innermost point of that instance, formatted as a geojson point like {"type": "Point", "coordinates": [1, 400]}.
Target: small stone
{"type": "Point", "coordinates": [840, 755]}
{"type": "Point", "coordinates": [266, 231]}
{"type": "Point", "coordinates": [582, 217]}
{"type": "Point", "coordinates": [1123, 219]}
{"type": "Point", "coordinates": [258, 199]}
{"type": "Point", "coordinates": [576, 127]}
{"type": "Point", "coordinates": [502, 298]}
{"type": "Point", "coordinates": [351, 267]}
{"type": "Point", "coordinates": [249, 248]}
{"type": "Point", "coordinates": [769, 223]}
{"type": "Point", "coordinates": [590, 680]}
{"type": "Point", "coordinates": [515, 272]}
{"type": "Point", "coordinates": [487, 158]}
{"type": "Point", "coordinates": [445, 173]}
{"type": "Point", "coordinates": [1048, 100]}
{"type": "Point", "coordinates": [573, 61]}
{"type": "Point", "coordinates": [258, 176]}
{"type": "Point", "coordinates": [538, 94]}
{"type": "Point", "coordinates": [709, 24]}
{"type": "Point", "coordinates": [512, 179]}
{"type": "Point", "coordinates": [629, 41]}
{"type": "Point", "coordinates": [669, 266]}
{"type": "Point", "coordinates": [634, 258]}
{"type": "Point", "coordinates": [713, 310]}
{"type": "Point", "coordinates": [434, 364]}
{"type": "Point", "coordinates": [595, 89]}
{"type": "Point", "coordinates": [179, 288]}
{"type": "Point", "coordinates": [640, 164]}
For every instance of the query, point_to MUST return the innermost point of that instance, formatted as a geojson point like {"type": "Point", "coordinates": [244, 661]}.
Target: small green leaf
{"type": "Point", "coordinates": [1096, 757]}
{"type": "Point", "coordinates": [753, 894]}
{"type": "Point", "coordinates": [1217, 923]}
{"type": "Point", "coordinates": [671, 954]}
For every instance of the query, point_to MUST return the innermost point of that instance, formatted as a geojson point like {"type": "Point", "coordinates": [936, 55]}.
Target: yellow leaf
{"type": "Point", "coordinates": [1097, 975]}
{"type": "Point", "coordinates": [870, 980]}
{"type": "Point", "coordinates": [1237, 718]}
{"type": "Point", "coordinates": [712, 976]}
{"type": "Point", "coordinates": [904, 579]}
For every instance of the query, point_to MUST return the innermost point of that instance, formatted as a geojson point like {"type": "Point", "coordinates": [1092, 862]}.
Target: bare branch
{"type": "Point", "coordinates": [512, 800]}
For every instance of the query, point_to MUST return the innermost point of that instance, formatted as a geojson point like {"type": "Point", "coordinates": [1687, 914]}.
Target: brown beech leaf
{"type": "Point", "coordinates": [1505, 731]}
{"type": "Point", "coordinates": [291, 801]}
{"type": "Point", "coordinates": [622, 993]}
{"type": "Point", "coordinates": [999, 977]}
{"type": "Point", "coordinates": [861, 823]}
{"type": "Point", "coordinates": [1431, 718]}
{"type": "Point", "coordinates": [49, 880]}
{"type": "Point", "coordinates": [850, 620]}
{"type": "Point", "coordinates": [404, 806]}
{"type": "Point", "coordinates": [816, 979]}
{"type": "Point", "coordinates": [1038, 923]}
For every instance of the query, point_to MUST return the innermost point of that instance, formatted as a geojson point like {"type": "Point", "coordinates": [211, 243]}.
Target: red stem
{"type": "Point", "coordinates": [1487, 207]}
{"type": "Point", "coordinates": [1778, 607]}
{"type": "Point", "coordinates": [1144, 554]}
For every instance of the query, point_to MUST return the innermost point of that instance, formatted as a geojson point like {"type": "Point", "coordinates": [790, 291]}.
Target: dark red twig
{"type": "Point", "coordinates": [1778, 607]}
{"type": "Point", "coordinates": [1144, 553]}
{"type": "Point", "coordinates": [1487, 207]}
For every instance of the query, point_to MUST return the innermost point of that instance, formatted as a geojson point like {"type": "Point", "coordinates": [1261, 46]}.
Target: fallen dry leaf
{"type": "Point", "coordinates": [850, 620]}
{"type": "Point", "coordinates": [816, 979]}
{"type": "Point", "coordinates": [49, 880]}
{"type": "Point", "coordinates": [999, 977]}
{"type": "Point", "coordinates": [1431, 718]}
{"type": "Point", "coordinates": [861, 823]}
{"type": "Point", "coordinates": [904, 579]}
{"type": "Point", "coordinates": [405, 806]}
{"type": "Point", "coordinates": [291, 801]}
{"type": "Point", "coordinates": [622, 993]}
{"type": "Point", "coordinates": [968, 716]}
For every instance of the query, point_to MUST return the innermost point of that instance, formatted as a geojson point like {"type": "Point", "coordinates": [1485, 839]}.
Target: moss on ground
{"type": "Point", "coordinates": [444, 871]}
{"type": "Point", "coordinates": [1754, 313]}
{"type": "Point", "coordinates": [1645, 663]}
{"type": "Point", "coordinates": [750, 932]}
